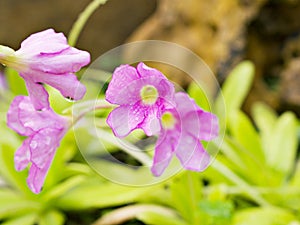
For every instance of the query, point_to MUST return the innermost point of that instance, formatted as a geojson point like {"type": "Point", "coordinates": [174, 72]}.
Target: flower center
{"type": "Point", "coordinates": [168, 121]}
{"type": "Point", "coordinates": [149, 94]}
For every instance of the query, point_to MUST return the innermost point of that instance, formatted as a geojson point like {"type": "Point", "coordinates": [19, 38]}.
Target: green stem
{"type": "Point", "coordinates": [254, 194]}
{"type": "Point", "coordinates": [126, 147]}
{"type": "Point", "coordinates": [88, 107]}
{"type": "Point", "coordinates": [82, 19]}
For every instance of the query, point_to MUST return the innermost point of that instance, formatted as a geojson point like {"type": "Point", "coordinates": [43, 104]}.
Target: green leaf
{"type": "Point", "coordinates": [264, 116]}
{"type": "Point", "coordinates": [15, 82]}
{"type": "Point", "coordinates": [52, 217]}
{"type": "Point", "coordinates": [295, 180]}
{"type": "Point", "coordinates": [199, 96]}
{"type": "Point", "coordinates": [216, 212]}
{"type": "Point", "coordinates": [62, 188]}
{"type": "Point", "coordinates": [186, 193]}
{"type": "Point", "coordinates": [283, 146]}
{"type": "Point", "coordinates": [7, 170]}
{"type": "Point", "coordinates": [156, 218]}
{"type": "Point", "coordinates": [57, 100]}
{"type": "Point", "coordinates": [235, 88]}
{"type": "Point", "coordinates": [263, 216]}
{"type": "Point", "coordinates": [18, 207]}
{"type": "Point", "coordinates": [243, 131]}
{"type": "Point", "coordinates": [96, 193]}
{"type": "Point", "coordinates": [28, 219]}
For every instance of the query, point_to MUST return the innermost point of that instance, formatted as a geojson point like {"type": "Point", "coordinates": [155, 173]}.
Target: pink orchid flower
{"type": "Point", "coordinates": [44, 129]}
{"type": "Point", "coordinates": [46, 58]}
{"type": "Point", "coordinates": [142, 93]}
{"type": "Point", "coordinates": [182, 129]}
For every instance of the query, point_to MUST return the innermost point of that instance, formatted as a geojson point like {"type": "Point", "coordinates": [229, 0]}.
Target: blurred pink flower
{"type": "Point", "coordinates": [142, 93]}
{"type": "Point", "coordinates": [46, 58]}
{"type": "Point", "coordinates": [182, 128]}
{"type": "Point", "coordinates": [44, 129]}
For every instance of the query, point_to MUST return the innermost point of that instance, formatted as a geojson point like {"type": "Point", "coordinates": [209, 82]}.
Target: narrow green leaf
{"type": "Point", "coordinates": [96, 193]}
{"type": "Point", "coordinates": [243, 131]}
{"type": "Point", "coordinates": [186, 193]}
{"type": "Point", "coordinates": [18, 207]}
{"type": "Point", "coordinates": [16, 179]}
{"type": "Point", "coordinates": [264, 116]}
{"type": "Point", "coordinates": [15, 83]}
{"type": "Point", "coordinates": [228, 173]}
{"type": "Point", "coordinates": [245, 164]}
{"type": "Point", "coordinates": [28, 219]}
{"type": "Point", "coordinates": [199, 96]}
{"type": "Point", "coordinates": [236, 87]}
{"type": "Point", "coordinates": [295, 180]}
{"type": "Point", "coordinates": [156, 218]}
{"type": "Point", "coordinates": [282, 150]}
{"type": "Point", "coordinates": [62, 188]}
{"type": "Point", "coordinates": [52, 217]}
{"type": "Point", "coordinates": [216, 212]}
{"type": "Point", "coordinates": [263, 216]}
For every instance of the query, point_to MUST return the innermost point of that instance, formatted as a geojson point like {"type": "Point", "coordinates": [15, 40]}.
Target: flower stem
{"type": "Point", "coordinates": [127, 147]}
{"type": "Point", "coordinates": [88, 106]}
{"type": "Point", "coordinates": [82, 19]}
{"type": "Point", "coordinates": [254, 194]}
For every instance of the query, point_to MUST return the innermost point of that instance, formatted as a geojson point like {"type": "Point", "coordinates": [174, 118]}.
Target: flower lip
{"type": "Point", "coordinates": [168, 121]}
{"type": "Point", "coordinates": [44, 130]}
{"type": "Point", "coordinates": [149, 94]}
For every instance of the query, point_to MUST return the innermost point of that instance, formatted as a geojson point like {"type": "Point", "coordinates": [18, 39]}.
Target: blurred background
{"type": "Point", "coordinates": [222, 32]}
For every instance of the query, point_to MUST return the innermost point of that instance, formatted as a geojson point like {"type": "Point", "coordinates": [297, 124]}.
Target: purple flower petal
{"type": "Point", "coordinates": [13, 119]}
{"type": "Point", "coordinates": [202, 125]}
{"type": "Point", "coordinates": [186, 125]}
{"type": "Point", "coordinates": [44, 129]}
{"type": "Point", "coordinates": [122, 89]}
{"type": "Point", "coordinates": [36, 177]}
{"type": "Point", "coordinates": [69, 60]}
{"type": "Point", "coordinates": [46, 41]}
{"type": "Point", "coordinates": [43, 145]}
{"type": "Point", "coordinates": [163, 154]}
{"type": "Point", "coordinates": [124, 119]}
{"type": "Point", "coordinates": [22, 155]}
{"type": "Point", "coordinates": [49, 52]}
{"type": "Point", "coordinates": [191, 154]}
{"type": "Point", "coordinates": [185, 104]}
{"type": "Point", "coordinates": [67, 84]}
{"type": "Point", "coordinates": [150, 124]}
{"type": "Point", "coordinates": [146, 71]}
{"type": "Point", "coordinates": [38, 94]}
{"type": "Point", "coordinates": [23, 118]}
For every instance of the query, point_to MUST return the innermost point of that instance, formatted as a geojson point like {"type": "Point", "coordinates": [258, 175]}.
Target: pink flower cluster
{"type": "Point", "coordinates": [44, 58]}
{"type": "Point", "coordinates": [147, 100]}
